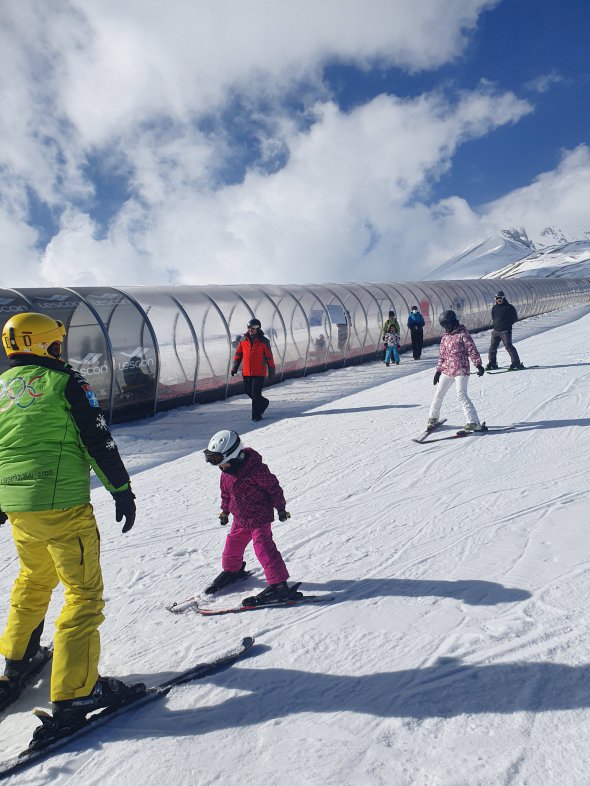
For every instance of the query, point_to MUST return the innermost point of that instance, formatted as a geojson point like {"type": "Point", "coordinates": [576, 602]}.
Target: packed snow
{"type": "Point", "coordinates": [456, 649]}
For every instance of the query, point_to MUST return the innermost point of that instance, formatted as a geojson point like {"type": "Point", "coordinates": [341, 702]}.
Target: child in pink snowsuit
{"type": "Point", "coordinates": [250, 492]}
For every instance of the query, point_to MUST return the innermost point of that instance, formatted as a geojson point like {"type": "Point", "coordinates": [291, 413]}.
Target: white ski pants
{"type": "Point", "coordinates": [444, 383]}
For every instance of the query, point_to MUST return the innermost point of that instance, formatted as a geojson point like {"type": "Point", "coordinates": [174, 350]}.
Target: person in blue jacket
{"type": "Point", "coordinates": [416, 328]}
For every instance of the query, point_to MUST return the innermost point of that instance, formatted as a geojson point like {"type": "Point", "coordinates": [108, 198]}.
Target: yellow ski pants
{"type": "Point", "coordinates": [58, 546]}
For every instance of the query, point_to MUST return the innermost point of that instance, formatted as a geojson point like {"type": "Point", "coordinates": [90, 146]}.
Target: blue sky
{"type": "Point", "coordinates": [527, 46]}
{"type": "Point", "coordinates": [284, 142]}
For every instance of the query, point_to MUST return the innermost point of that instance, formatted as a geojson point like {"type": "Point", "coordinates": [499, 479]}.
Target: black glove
{"type": "Point", "coordinates": [223, 518]}
{"type": "Point", "coordinates": [3, 518]}
{"type": "Point", "coordinates": [234, 370]}
{"type": "Point", "coordinates": [271, 372]}
{"type": "Point", "coordinates": [436, 377]}
{"type": "Point", "coordinates": [283, 515]}
{"type": "Point", "coordinates": [125, 508]}
{"type": "Point", "coordinates": [480, 370]}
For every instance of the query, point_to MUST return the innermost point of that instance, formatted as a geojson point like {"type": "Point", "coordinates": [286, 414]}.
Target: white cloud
{"type": "Point", "coordinates": [559, 198]}
{"type": "Point", "coordinates": [145, 91]}
{"type": "Point", "coordinates": [544, 82]}
{"type": "Point", "coordinates": [341, 205]}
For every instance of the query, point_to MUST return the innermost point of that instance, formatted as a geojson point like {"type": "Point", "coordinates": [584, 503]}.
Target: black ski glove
{"type": "Point", "coordinates": [223, 518]}
{"type": "Point", "coordinates": [480, 370]}
{"type": "Point", "coordinates": [283, 515]}
{"type": "Point", "coordinates": [271, 372]}
{"type": "Point", "coordinates": [436, 377]}
{"type": "Point", "coordinates": [3, 518]}
{"type": "Point", "coordinates": [125, 507]}
{"type": "Point", "coordinates": [234, 370]}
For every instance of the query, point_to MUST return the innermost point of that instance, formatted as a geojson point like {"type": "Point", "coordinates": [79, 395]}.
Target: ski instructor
{"type": "Point", "coordinates": [52, 432]}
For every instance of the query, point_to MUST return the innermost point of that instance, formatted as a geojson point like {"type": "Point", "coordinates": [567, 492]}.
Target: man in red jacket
{"type": "Point", "coordinates": [255, 353]}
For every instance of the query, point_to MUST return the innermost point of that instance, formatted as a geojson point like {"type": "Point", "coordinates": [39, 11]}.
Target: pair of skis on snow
{"type": "Point", "coordinates": [295, 599]}
{"type": "Point", "coordinates": [52, 739]}
{"type": "Point", "coordinates": [424, 438]}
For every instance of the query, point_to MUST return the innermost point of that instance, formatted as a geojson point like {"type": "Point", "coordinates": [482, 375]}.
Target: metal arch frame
{"type": "Point", "coordinates": [287, 293]}
{"type": "Point", "coordinates": [306, 288]}
{"type": "Point", "coordinates": [109, 346]}
{"type": "Point", "coordinates": [152, 333]}
{"type": "Point", "coordinates": [346, 289]}
{"type": "Point", "coordinates": [309, 289]}
{"type": "Point", "coordinates": [227, 333]}
{"type": "Point", "coordinates": [193, 332]}
{"type": "Point", "coordinates": [365, 287]}
{"type": "Point", "coordinates": [339, 299]}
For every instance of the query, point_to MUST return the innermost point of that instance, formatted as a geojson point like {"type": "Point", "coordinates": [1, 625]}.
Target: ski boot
{"type": "Point", "coordinates": [515, 366]}
{"type": "Point", "coordinates": [225, 578]}
{"type": "Point", "coordinates": [19, 673]}
{"type": "Point", "coordinates": [274, 593]}
{"type": "Point", "coordinates": [475, 427]}
{"type": "Point", "coordinates": [491, 366]}
{"type": "Point", "coordinates": [432, 423]}
{"type": "Point", "coordinates": [108, 692]}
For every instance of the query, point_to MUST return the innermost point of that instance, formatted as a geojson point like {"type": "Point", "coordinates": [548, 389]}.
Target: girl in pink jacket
{"type": "Point", "coordinates": [456, 349]}
{"type": "Point", "coordinates": [251, 493]}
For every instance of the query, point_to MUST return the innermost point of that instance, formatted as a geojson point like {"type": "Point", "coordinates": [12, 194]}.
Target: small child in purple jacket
{"type": "Point", "coordinates": [250, 492]}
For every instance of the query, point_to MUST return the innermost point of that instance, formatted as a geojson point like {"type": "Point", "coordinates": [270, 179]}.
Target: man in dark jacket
{"type": "Point", "coordinates": [255, 352]}
{"type": "Point", "coordinates": [503, 317]}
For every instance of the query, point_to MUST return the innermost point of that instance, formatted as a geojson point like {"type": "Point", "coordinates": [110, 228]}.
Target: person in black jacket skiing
{"type": "Point", "coordinates": [503, 317]}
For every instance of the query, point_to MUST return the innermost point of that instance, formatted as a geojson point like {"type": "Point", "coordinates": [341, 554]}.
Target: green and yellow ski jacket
{"type": "Point", "coordinates": [52, 431]}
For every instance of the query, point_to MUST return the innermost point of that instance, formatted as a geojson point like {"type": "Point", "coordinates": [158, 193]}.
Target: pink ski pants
{"type": "Point", "coordinates": [265, 549]}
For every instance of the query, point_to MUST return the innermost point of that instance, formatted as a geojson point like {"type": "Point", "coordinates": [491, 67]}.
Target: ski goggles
{"type": "Point", "coordinates": [213, 457]}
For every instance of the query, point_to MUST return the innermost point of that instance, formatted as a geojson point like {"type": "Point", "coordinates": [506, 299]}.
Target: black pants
{"type": "Point", "coordinates": [417, 335]}
{"type": "Point", "coordinates": [505, 336]}
{"type": "Point", "coordinates": [253, 387]}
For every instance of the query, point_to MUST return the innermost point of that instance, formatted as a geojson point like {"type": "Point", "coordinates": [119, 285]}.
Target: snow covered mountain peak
{"type": "Point", "coordinates": [510, 252]}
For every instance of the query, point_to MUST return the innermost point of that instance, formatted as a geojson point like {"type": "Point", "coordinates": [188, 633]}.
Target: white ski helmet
{"type": "Point", "coordinates": [223, 447]}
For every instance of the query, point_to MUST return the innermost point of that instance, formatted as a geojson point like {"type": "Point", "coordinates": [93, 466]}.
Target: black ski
{"type": "Point", "coordinates": [41, 749]}
{"type": "Point", "coordinates": [429, 431]}
{"type": "Point", "coordinates": [7, 700]}
{"type": "Point", "coordinates": [507, 370]}
{"type": "Point", "coordinates": [462, 433]}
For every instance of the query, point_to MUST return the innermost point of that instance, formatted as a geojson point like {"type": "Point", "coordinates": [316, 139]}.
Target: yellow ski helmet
{"type": "Point", "coordinates": [33, 334]}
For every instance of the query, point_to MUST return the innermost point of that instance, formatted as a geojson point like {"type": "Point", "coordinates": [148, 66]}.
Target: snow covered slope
{"type": "Point", "coordinates": [496, 251]}
{"type": "Point", "coordinates": [512, 253]}
{"type": "Point", "coordinates": [568, 260]}
{"type": "Point", "coordinates": [456, 651]}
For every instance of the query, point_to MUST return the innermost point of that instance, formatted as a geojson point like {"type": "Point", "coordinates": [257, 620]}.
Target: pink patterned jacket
{"type": "Point", "coordinates": [455, 350]}
{"type": "Point", "coordinates": [252, 494]}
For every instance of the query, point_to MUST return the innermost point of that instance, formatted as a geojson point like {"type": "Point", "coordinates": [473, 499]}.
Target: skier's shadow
{"type": "Point", "coordinates": [538, 425]}
{"type": "Point", "coordinates": [471, 591]}
{"type": "Point", "coordinates": [447, 688]}
{"type": "Point", "coordinates": [356, 410]}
